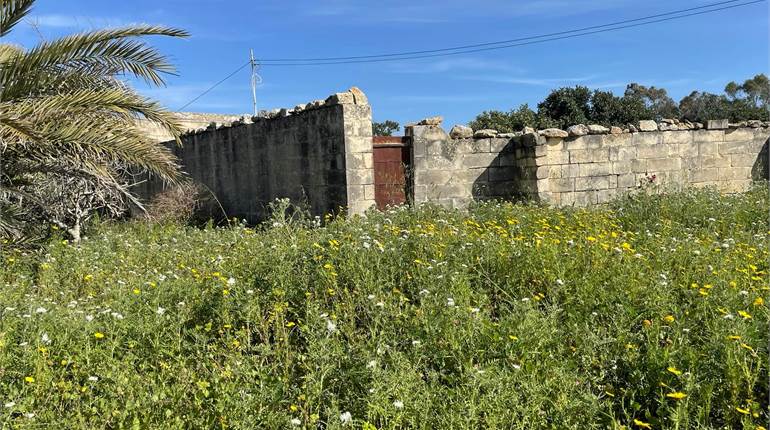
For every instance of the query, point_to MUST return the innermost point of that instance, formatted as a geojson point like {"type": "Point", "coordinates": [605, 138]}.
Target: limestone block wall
{"type": "Point", "coordinates": [318, 155]}
{"type": "Point", "coordinates": [188, 121]}
{"type": "Point", "coordinates": [454, 171]}
{"type": "Point", "coordinates": [594, 169]}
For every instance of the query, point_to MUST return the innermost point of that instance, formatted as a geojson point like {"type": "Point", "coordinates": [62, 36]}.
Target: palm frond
{"type": "Point", "coordinates": [11, 12]}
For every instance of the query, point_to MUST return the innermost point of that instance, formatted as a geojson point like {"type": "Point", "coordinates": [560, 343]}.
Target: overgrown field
{"type": "Point", "coordinates": [651, 313]}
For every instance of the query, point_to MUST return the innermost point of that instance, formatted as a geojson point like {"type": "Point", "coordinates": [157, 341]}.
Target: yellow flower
{"type": "Point", "coordinates": [669, 318]}
{"type": "Point", "coordinates": [642, 424]}
{"type": "Point", "coordinates": [676, 395]}
{"type": "Point", "coordinates": [745, 315]}
{"type": "Point", "coordinates": [29, 379]}
{"type": "Point", "coordinates": [137, 291]}
{"type": "Point", "coordinates": [293, 408]}
{"type": "Point", "coordinates": [674, 370]}
{"type": "Point", "coordinates": [99, 335]}
{"type": "Point", "coordinates": [646, 323]}
{"type": "Point", "coordinates": [591, 239]}
{"type": "Point", "coordinates": [290, 324]}
{"type": "Point", "coordinates": [512, 337]}
{"type": "Point", "coordinates": [759, 301]}
{"type": "Point", "coordinates": [743, 411]}
{"type": "Point", "coordinates": [734, 337]}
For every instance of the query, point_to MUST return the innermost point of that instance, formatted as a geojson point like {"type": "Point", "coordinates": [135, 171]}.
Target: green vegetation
{"type": "Point", "coordinates": [386, 128]}
{"type": "Point", "coordinates": [565, 107]}
{"type": "Point", "coordinates": [68, 132]}
{"type": "Point", "coordinates": [649, 313]}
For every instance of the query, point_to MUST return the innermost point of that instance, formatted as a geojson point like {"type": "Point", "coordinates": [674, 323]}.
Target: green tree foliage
{"type": "Point", "coordinates": [67, 117]}
{"type": "Point", "coordinates": [506, 122]}
{"type": "Point", "coordinates": [565, 107]}
{"type": "Point", "coordinates": [386, 128]}
{"type": "Point", "coordinates": [702, 106]}
{"type": "Point", "coordinates": [569, 106]}
{"type": "Point", "coordinates": [656, 101]}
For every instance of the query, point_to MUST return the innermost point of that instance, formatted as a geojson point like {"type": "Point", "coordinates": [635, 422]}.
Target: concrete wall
{"type": "Point", "coordinates": [455, 171]}
{"type": "Point", "coordinates": [596, 168]}
{"type": "Point", "coordinates": [567, 169]}
{"type": "Point", "coordinates": [318, 155]}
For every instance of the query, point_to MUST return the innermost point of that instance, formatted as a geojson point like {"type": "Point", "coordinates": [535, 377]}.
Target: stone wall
{"type": "Point", "coordinates": [584, 165]}
{"type": "Point", "coordinates": [453, 171]}
{"type": "Point", "coordinates": [596, 168]}
{"type": "Point", "coordinates": [188, 121]}
{"type": "Point", "coordinates": [318, 155]}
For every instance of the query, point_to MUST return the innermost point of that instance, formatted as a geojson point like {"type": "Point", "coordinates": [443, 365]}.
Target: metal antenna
{"type": "Point", "coordinates": [255, 79]}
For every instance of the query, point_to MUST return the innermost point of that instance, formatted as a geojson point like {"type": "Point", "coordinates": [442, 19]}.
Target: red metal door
{"type": "Point", "coordinates": [391, 165]}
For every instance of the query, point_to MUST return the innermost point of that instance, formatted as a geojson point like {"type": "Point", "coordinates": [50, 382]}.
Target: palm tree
{"type": "Point", "coordinates": [67, 116]}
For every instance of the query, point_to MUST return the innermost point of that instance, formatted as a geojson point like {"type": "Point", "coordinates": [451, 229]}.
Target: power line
{"type": "Point", "coordinates": [248, 63]}
{"type": "Point", "coordinates": [521, 39]}
{"type": "Point", "coordinates": [491, 48]}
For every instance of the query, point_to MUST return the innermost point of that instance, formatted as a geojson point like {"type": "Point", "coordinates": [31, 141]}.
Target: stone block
{"type": "Point", "coordinates": [647, 125]}
{"type": "Point", "coordinates": [433, 177]}
{"type": "Point", "coordinates": [743, 160]}
{"type": "Point", "coordinates": [594, 169]}
{"type": "Point", "coordinates": [542, 172]}
{"type": "Point", "coordinates": [585, 198]}
{"type": "Point", "coordinates": [358, 144]}
{"type": "Point", "coordinates": [589, 155]}
{"type": "Point", "coordinates": [687, 150]}
{"type": "Point", "coordinates": [615, 140]}
{"type": "Point", "coordinates": [605, 196]}
{"type": "Point", "coordinates": [501, 145]}
{"type": "Point", "coordinates": [480, 145]}
{"type": "Point", "coordinates": [663, 164]}
{"type": "Point", "coordinates": [639, 139]}
{"type": "Point", "coordinates": [592, 183]}
{"type": "Point", "coordinates": [500, 174]}
{"type": "Point", "coordinates": [708, 135]}
{"type": "Point", "coordinates": [704, 175]}
{"type": "Point", "coordinates": [677, 137]}
{"type": "Point", "coordinates": [717, 124]}
{"type": "Point", "coordinates": [554, 157]}
{"type": "Point", "coordinates": [627, 180]}
{"type": "Point", "coordinates": [735, 186]}
{"type": "Point", "coordinates": [570, 171]}
{"type": "Point", "coordinates": [653, 151]}
{"type": "Point", "coordinates": [622, 153]}
{"type": "Point", "coordinates": [471, 161]}
{"type": "Point", "coordinates": [740, 135]}
{"type": "Point", "coordinates": [562, 185]}
{"type": "Point", "coordinates": [736, 147]}
{"type": "Point", "coordinates": [360, 176]}
{"type": "Point", "coordinates": [585, 142]}
{"type": "Point", "coordinates": [341, 99]}
{"type": "Point", "coordinates": [734, 173]}
{"type": "Point", "coordinates": [622, 167]}
{"type": "Point", "coordinates": [714, 161]}
{"type": "Point", "coordinates": [369, 192]}
{"type": "Point", "coordinates": [639, 166]}
{"type": "Point", "coordinates": [449, 191]}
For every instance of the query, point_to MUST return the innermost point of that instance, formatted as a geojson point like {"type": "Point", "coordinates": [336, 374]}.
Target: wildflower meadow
{"type": "Point", "coordinates": [647, 313]}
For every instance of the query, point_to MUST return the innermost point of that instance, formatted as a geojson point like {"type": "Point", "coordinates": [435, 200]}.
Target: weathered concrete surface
{"type": "Point", "coordinates": [320, 158]}
{"type": "Point", "coordinates": [188, 121]}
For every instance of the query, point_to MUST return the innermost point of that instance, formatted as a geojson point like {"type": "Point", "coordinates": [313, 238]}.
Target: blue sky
{"type": "Point", "coordinates": [703, 52]}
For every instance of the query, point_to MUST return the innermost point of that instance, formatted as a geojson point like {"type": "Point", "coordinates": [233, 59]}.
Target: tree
{"type": "Point", "coordinates": [68, 122]}
{"type": "Point", "coordinates": [749, 100]}
{"type": "Point", "coordinates": [702, 107]}
{"type": "Point", "coordinates": [386, 128]}
{"type": "Point", "coordinates": [565, 107]}
{"type": "Point", "coordinates": [659, 105]}
{"type": "Point", "coordinates": [505, 122]}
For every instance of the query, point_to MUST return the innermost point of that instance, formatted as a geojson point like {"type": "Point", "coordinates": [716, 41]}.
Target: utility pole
{"type": "Point", "coordinates": [255, 79]}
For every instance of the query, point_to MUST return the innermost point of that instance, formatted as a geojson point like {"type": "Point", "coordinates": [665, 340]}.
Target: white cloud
{"type": "Point", "coordinates": [444, 65]}
{"type": "Point", "coordinates": [74, 21]}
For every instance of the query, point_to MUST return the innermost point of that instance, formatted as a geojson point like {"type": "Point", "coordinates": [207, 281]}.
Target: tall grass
{"type": "Point", "coordinates": [648, 313]}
